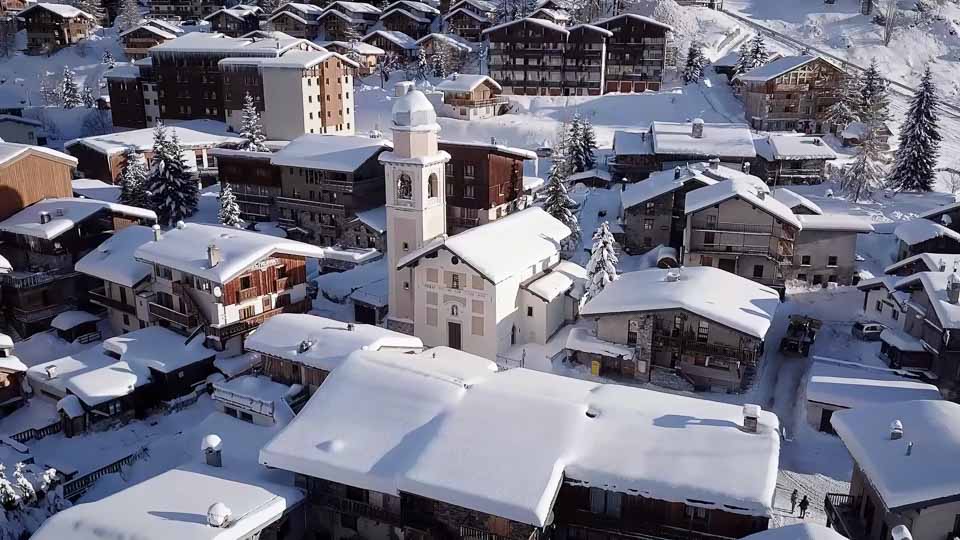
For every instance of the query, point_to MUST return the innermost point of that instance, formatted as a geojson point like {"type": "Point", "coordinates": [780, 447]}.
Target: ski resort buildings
{"type": "Point", "coordinates": [20, 165]}
{"type": "Point", "coordinates": [51, 27]}
{"type": "Point", "coordinates": [789, 159]}
{"type": "Point", "coordinates": [470, 97]}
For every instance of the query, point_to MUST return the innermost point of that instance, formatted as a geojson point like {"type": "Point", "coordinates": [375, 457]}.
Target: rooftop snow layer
{"type": "Point", "coordinates": [65, 213]}
{"type": "Point", "coordinates": [216, 43]}
{"type": "Point", "coordinates": [797, 531]}
{"type": "Point", "coordinates": [503, 248]}
{"type": "Point", "coordinates": [836, 222]}
{"type": "Point", "coordinates": [468, 12]}
{"type": "Point", "coordinates": [68, 320]}
{"type": "Point", "coordinates": [502, 442]}
{"type": "Point", "coordinates": [930, 472]}
{"type": "Point", "coordinates": [405, 13]}
{"type": "Point", "coordinates": [252, 387]}
{"type": "Point", "coordinates": [411, 4]}
{"type": "Point", "coordinates": [935, 285]}
{"type": "Point", "coordinates": [726, 140]}
{"type": "Point", "coordinates": [465, 83]}
{"type": "Point", "coordinates": [153, 29]}
{"type": "Point", "coordinates": [192, 134]}
{"type": "Point", "coordinates": [793, 199]}
{"type": "Point", "coordinates": [940, 210]}
{"type": "Point", "coordinates": [849, 385]}
{"type": "Point", "coordinates": [550, 25]}
{"type": "Point", "coordinates": [20, 120]}
{"type": "Point", "coordinates": [375, 218]}
{"type": "Point", "coordinates": [481, 5]}
{"type": "Point", "coordinates": [329, 152]}
{"type": "Point", "coordinates": [12, 97]}
{"type": "Point", "coordinates": [330, 341]}
{"type": "Point", "coordinates": [185, 249]}
{"type": "Point", "coordinates": [113, 260]}
{"type": "Point", "coordinates": [933, 262]}
{"type": "Point", "coordinates": [920, 230]}
{"type": "Point", "coordinates": [901, 340]}
{"type": "Point", "coordinates": [158, 348]}
{"type": "Point", "coordinates": [793, 147]}
{"type": "Point", "coordinates": [565, 277]}
{"type": "Point", "coordinates": [11, 151]}
{"type": "Point", "coordinates": [772, 70]}
{"type": "Point", "coordinates": [751, 192]}
{"type": "Point", "coordinates": [398, 38]}
{"type": "Point", "coordinates": [356, 7]}
{"type": "Point", "coordinates": [660, 183]}
{"type": "Point", "coordinates": [91, 188]}
{"type": "Point", "coordinates": [584, 340]}
{"type": "Point", "coordinates": [359, 46]}
{"type": "Point", "coordinates": [638, 18]}
{"type": "Point", "coordinates": [91, 375]}
{"type": "Point", "coordinates": [63, 10]}
{"type": "Point", "coordinates": [717, 295]}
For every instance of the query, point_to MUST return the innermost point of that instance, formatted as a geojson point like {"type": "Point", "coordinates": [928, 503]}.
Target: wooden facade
{"type": "Point", "coordinates": [796, 100]}
{"type": "Point", "coordinates": [19, 185]}
{"type": "Point", "coordinates": [414, 25]}
{"type": "Point", "coordinates": [636, 53]}
{"type": "Point", "coordinates": [294, 23]}
{"type": "Point", "coordinates": [481, 181]}
{"type": "Point", "coordinates": [255, 182]}
{"type": "Point", "coordinates": [467, 24]}
{"type": "Point", "coordinates": [137, 42]}
{"type": "Point", "coordinates": [234, 22]}
{"type": "Point", "coordinates": [127, 103]}
{"type": "Point", "coordinates": [48, 31]}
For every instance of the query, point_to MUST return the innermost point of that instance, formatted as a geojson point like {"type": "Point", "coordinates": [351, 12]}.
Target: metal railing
{"type": "Point", "coordinates": [472, 533]}
{"type": "Point", "coordinates": [37, 433]}
{"type": "Point", "coordinates": [18, 280]}
{"type": "Point", "coordinates": [463, 221]}
{"type": "Point", "coordinates": [78, 486]}
{"type": "Point", "coordinates": [308, 205]}
{"type": "Point", "coordinates": [648, 532]}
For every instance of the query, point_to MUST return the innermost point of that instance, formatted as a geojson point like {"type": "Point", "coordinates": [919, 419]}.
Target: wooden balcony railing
{"type": "Point", "coordinates": [615, 530]}
{"type": "Point", "coordinates": [99, 297]}
{"type": "Point", "coordinates": [34, 314]}
{"type": "Point", "coordinates": [227, 331]}
{"type": "Point", "coordinates": [21, 280]}
{"type": "Point", "coordinates": [476, 102]}
{"type": "Point", "coordinates": [174, 316]}
{"type": "Point", "coordinates": [463, 221]}
{"type": "Point", "coordinates": [689, 345]}
{"type": "Point", "coordinates": [247, 294]}
{"type": "Point", "coordinates": [357, 508]}
{"type": "Point", "coordinates": [841, 510]}
{"type": "Point", "coordinates": [725, 226]}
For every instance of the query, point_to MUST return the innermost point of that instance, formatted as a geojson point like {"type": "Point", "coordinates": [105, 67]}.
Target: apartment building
{"type": "Point", "coordinates": [793, 93]}
{"type": "Point", "coordinates": [826, 248]}
{"type": "Point", "coordinates": [137, 41]}
{"type": "Point", "coordinates": [51, 27]}
{"type": "Point", "coordinates": [236, 21]}
{"type": "Point", "coordinates": [224, 282]}
{"type": "Point", "coordinates": [254, 180]}
{"type": "Point", "coordinates": [296, 19]}
{"type": "Point", "coordinates": [341, 20]}
{"type": "Point", "coordinates": [636, 53]}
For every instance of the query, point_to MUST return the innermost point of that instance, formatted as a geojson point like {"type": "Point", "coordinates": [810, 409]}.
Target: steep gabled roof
{"type": "Point", "coordinates": [398, 38]}
{"type": "Point", "coordinates": [63, 10]}
{"type": "Point", "coordinates": [751, 192]}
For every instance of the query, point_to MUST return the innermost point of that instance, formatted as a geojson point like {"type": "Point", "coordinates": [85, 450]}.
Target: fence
{"type": "Point", "coordinates": [78, 486]}
{"type": "Point", "coordinates": [37, 433]}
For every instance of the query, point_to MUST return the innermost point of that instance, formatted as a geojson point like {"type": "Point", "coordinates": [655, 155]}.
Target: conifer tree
{"type": "Point", "coordinates": [915, 165]}
{"type": "Point", "coordinates": [693, 70]}
{"type": "Point", "coordinates": [108, 59]}
{"type": "Point", "coordinates": [422, 66]}
{"type": "Point", "coordinates": [68, 91]}
{"type": "Point", "coordinates": [867, 172]}
{"type": "Point", "coordinates": [229, 214]}
{"type": "Point", "coordinates": [743, 56]}
{"type": "Point", "coordinates": [440, 61]}
{"type": "Point", "coordinates": [874, 108]}
{"type": "Point", "coordinates": [133, 181]}
{"type": "Point", "coordinates": [845, 110]}
{"type": "Point", "coordinates": [92, 7]}
{"type": "Point", "coordinates": [129, 16]}
{"type": "Point", "coordinates": [173, 191]}
{"type": "Point", "coordinates": [758, 51]}
{"type": "Point", "coordinates": [573, 146]}
{"type": "Point", "coordinates": [87, 97]}
{"type": "Point", "coordinates": [251, 129]}
{"type": "Point", "coordinates": [558, 203]}
{"type": "Point", "coordinates": [602, 267]}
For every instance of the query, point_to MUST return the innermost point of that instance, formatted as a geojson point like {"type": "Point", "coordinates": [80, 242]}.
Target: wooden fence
{"type": "Point", "coordinates": [78, 486]}
{"type": "Point", "coordinates": [37, 433]}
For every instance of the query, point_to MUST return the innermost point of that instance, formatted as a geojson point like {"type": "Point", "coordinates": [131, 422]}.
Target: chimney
{"type": "Point", "coordinates": [896, 430]}
{"type": "Point", "coordinates": [751, 418]}
{"type": "Point", "coordinates": [156, 233]}
{"type": "Point", "coordinates": [761, 193]}
{"type": "Point", "coordinates": [745, 167]}
{"type": "Point", "coordinates": [213, 255]}
{"type": "Point", "coordinates": [676, 172]}
{"type": "Point", "coordinates": [943, 265]}
{"type": "Point", "coordinates": [493, 140]}
{"type": "Point", "coordinates": [696, 128]}
{"type": "Point", "coordinates": [401, 88]}
{"type": "Point", "coordinates": [350, 327]}
{"type": "Point", "coordinates": [818, 141]}
{"type": "Point", "coordinates": [715, 164]}
{"type": "Point", "coordinates": [900, 532]}
{"type": "Point", "coordinates": [51, 372]}
{"type": "Point", "coordinates": [909, 448]}
{"type": "Point", "coordinates": [218, 515]}
{"type": "Point", "coordinates": [454, 76]}
{"type": "Point", "coordinates": [44, 217]}
{"type": "Point", "coordinates": [953, 289]}
{"type": "Point", "coordinates": [211, 446]}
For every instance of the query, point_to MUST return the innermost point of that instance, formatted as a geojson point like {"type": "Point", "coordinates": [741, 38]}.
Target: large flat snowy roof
{"type": "Point", "coordinates": [502, 442]}
{"type": "Point", "coordinates": [662, 182]}
{"type": "Point", "coordinates": [215, 43]}
{"type": "Point", "coordinates": [330, 341]}
{"type": "Point", "coordinates": [930, 473]}
{"type": "Point", "coordinates": [776, 68]}
{"type": "Point", "coordinates": [793, 199]}
{"type": "Point", "coordinates": [751, 192]}
{"type": "Point", "coordinates": [565, 277]}
{"type": "Point", "coordinates": [398, 38]}
{"type": "Point", "coordinates": [920, 230]}
{"type": "Point", "coordinates": [726, 140]}
{"type": "Point", "coordinates": [192, 134]}
{"type": "Point", "coordinates": [850, 385]}
{"type": "Point", "coordinates": [835, 222]}
{"type": "Point", "coordinates": [91, 375]}
{"type": "Point", "coordinates": [113, 259]}
{"type": "Point", "coordinates": [329, 152]}
{"type": "Point", "coordinates": [465, 83]}
{"type": "Point", "coordinates": [793, 147]}
{"type": "Point", "coordinates": [185, 249]}
{"type": "Point", "coordinates": [65, 213]}
{"type": "Point", "coordinates": [158, 348]}
{"type": "Point", "coordinates": [717, 295]}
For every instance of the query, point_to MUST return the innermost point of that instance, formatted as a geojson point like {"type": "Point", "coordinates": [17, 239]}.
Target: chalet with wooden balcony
{"type": "Point", "coordinates": [325, 181]}
{"type": "Point", "coordinates": [926, 236]}
{"type": "Point", "coordinates": [124, 287]}
{"type": "Point", "coordinates": [51, 27]}
{"type": "Point", "coordinates": [456, 50]}
{"type": "Point", "coordinates": [563, 458]}
{"type": "Point", "coordinates": [224, 283]}
{"type": "Point", "coordinates": [21, 165]}
{"type": "Point", "coordinates": [947, 215]}
{"type": "Point", "coordinates": [410, 17]}
{"type": "Point", "coordinates": [738, 226]}
{"type": "Point", "coordinates": [13, 373]}
{"type": "Point", "coordinates": [636, 53]}
{"type": "Point", "coordinates": [138, 40]}
{"type": "Point", "coordinates": [366, 55]}
{"type": "Point", "coordinates": [296, 19]}
{"type": "Point", "coordinates": [792, 93]}
{"type": "Point", "coordinates": [236, 21]}
{"type": "Point", "coordinates": [904, 472]}
{"type": "Point", "coordinates": [685, 320]}
{"type": "Point", "coordinates": [43, 242]}
{"type": "Point", "coordinates": [398, 44]}
{"type": "Point", "coordinates": [305, 349]}
{"type": "Point", "coordinates": [470, 97]}
{"type": "Point", "coordinates": [342, 19]}
{"type": "Point", "coordinates": [467, 23]}
{"type": "Point", "coordinates": [480, 7]}
{"type": "Point", "coordinates": [484, 182]}
{"type": "Point", "coordinates": [792, 159]}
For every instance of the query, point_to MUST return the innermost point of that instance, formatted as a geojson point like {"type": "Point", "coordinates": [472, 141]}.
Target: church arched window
{"type": "Point", "coordinates": [404, 187]}
{"type": "Point", "coordinates": [432, 185]}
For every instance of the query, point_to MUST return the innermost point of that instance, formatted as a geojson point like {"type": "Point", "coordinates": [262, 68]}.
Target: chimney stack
{"type": "Point", "coordinates": [676, 172]}
{"type": "Point", "coordinates": [218, 515]}
{"type": "Point", "coordinates": [909, 448]}
{"type": "Point", "coordinates": [401, 88]}
{"type": "Point", "coordinates": [943, 266]}
{"type": "Point", "coordinates": [211, 446]}
{"type": "Point", "coordinates": [697, 128]}
{"type": "Point", "coordinates": [745, 167]}
{"type": "Point", "coordinates": [44, 217]}
{"type": "Point", "coordinates": [751, 418]}
{"type": "Point", "coordinates": [156, 233]}
{"type": "Point", "coordinates": [213, 255]}
{"type": "Point", "coordinates": [715, 164]}
{"type": "Point", "coordinates": [350, 327]}
{"type": "Point", "coordinates": [896, 430]}
{"type": "Point", "coordinates": [900, 532]}
{"type": "Point", "coordinates": [953, 289]}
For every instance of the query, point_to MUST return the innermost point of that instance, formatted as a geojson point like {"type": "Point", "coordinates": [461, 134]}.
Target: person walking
{"type": "Point", "coordinates": [793, 500]}
{"type": "Point", "coordinates": [804, 503]}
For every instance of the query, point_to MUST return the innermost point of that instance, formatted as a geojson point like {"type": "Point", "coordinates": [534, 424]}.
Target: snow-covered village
{"type": "Point", "coordinates": [479, 270]}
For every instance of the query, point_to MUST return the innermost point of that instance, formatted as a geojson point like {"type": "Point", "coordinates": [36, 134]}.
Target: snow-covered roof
{"type": "Point", "coordinates": [113, 259]}
{"type": "Point", "coordinates": [356, 7]}
{"type": "Point", "coordinates": [632, 143]}
{"type": "Point", "coordinates": [797, 531]}
{"type": "Point", "coordinates": [359, 46]}
{"type": "Point", "coordinates": [174, 503]}
{"type": "Point", "coordinates": [216, 43]}
{"type": "Point", "coordinates": [634, 16]}
{"type": "Point", "coordinates": [19, 120]}
{"type": "Point", "coordinates": [365, 427]}
{"type": "Point", "coordinates": [940, 210]}
{"type": "Point", "coordinates": [512, 151]}
{"type": "Point", "coordinates": [329, 152]}
{"type": "Point", "coordinates": [306, 9]}
{"type": "Point", "coordinates": [835, 222]}
{"type": "Point", "coordinates": [532, 183]}
{"type": "Point", "coordinates": [235, 12]}
{"type": "Point", "coordinates": [192, 134]}
{"type": "Point", "coordinates": [405, 13]}
{"type": "Point", "coordinates": [481, 5]}
{"type": "Point", "coordinates": [455, 42]}
{"type": "Point", "coordinates": [338, 13]}
{"type": "Point", "coordinates": [552, 14]}
{"type": "Point", "coordinates": [728, 60]}
{"type": "Point", "coordinates": [590, 174]}
{"type": "Point", "coordinates": [398, 38]}
{"type": "Point", "coordinates": [550, 25]}
{"type": "Point", "coordinates": [565, 277]}
{"type": "Point", "coordinates": [411, 4]}
{"type": "Point", "coordinates": [63, 10]}
{"type": "Point", "coordinates": [503, 248]}
{"type": "Point", "coordinates": [330, 341]}
{"type": "Point", "coordinates": [920, 230]}
{"type": "Point", "coordinates": [68, 320]}
{"type": "Point", "coordinates": [717, 295]}
{"type": "Point", "coordinates": [466, 83]}
{"type": "Point", "coordinates": [13, 151]}
{"type": "Point", "coordinates": [168, 26]}
{"type": "Point", "coordinates": [901, 340]}
{"type": "Point", "coordinates": [778, 67]}
{"type": "Point", "coordinates": [91, 375]}
{"type": "Point", "coordinates": [92, 188]}
{"type": "Point", "coordinates": [185, 249]}
{"type": "Point", "coordinates": [935, 285]}
{"type": "Point", "coordinates": [123, 71]}
{"type": "Point", "coordinates": [292, 15]}
{"type": "Point", "coordinates": [933, 261]}
{"type": "Point", "coordinates": [252, 391]}
{"type": "Point", "coordinates": [727, 140]}
{"type": "Point", "coordinates": [584, 340]}
{"type": "Point", "coordinates": [158, 348]}
{"type": "Point", "coordinates": [793, 147]}
{"type": "Point", "coordinates": [849, 385]}
{"type": "Point", "coordinates": [793, 199]}
{"type": "Point", "coordinates": [375, 218]}
{"type": "Point", "coordinates": [751, 192]}
{"type": "Point", "coordinates": [929, 472]}
{"type": "Point", "coordinates": [291, 60]}
{"type": "Point", "coordinates": [153, 29]}
{"type": "Point", "coordinates": [663, 182]}
{"type": "Point", "coordinates": [468, 12]}
{"type": "Point", "coordinates": [65, 213]}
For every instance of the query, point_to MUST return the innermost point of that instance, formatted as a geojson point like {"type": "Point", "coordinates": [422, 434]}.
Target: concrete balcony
{"type": "Point", "coordinates": [227, 331]}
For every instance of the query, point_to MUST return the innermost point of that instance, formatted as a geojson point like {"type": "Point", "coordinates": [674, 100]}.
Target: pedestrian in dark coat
{"type": "Point", "coordinates": [804, 503]}
{"type": "Point", "coordinates": [793, 500]}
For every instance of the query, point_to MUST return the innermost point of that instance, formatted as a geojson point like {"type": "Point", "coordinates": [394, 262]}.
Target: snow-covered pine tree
{"type": "Point", "coordinates": [693, 70]}
{"type": "Point", "coordinates": [439, 61]}
{"type": "Point", "coordinates": [845, 110]}
{"type": "Point", "coordinates": [172, 189]}
{"type": "Point", "coordinates": [422, 66]}
{"type": "Point", "coordinates": [743, 58]}
{"type": "Point", "coordinates": [69, 91]}
{"type": "Point", "coordinates": [229, 214]}
{"type": "Point", "coordinates": [93, 7]}
{"type": "Point", "coordinates": [129, 16]}
{"type": "Point", "coordinates": [87, 97]}
{"type": "Point", "coordinates": [874, 108]}
{"type": "Point", "coordinates": [9, 497]}
{"type": "Point", "coordinates": [269, 6]}
{"type": "Point", "coordinates": [133, 181]}
{"type": "Point", "coordinates": [558, 203]}
{"type": "Point", "coordinates": [251, 130]}
{"type": "Point", "coordinates": [915, 165]}
{"type": "Point", "coordinates": [28, 494]}
{"type": "Point", "coordinates": [573, 147]}
{"type": "Point", "coordinates": [587, 145]}
{"type": "Point", "coordinates": [758, 51]}
{"type": "Point", "coordinates": [866, 174]}
{"type": "Point", "coordinates": [108, 59]}
{"type": "Point", "coordinates": [602, 267]}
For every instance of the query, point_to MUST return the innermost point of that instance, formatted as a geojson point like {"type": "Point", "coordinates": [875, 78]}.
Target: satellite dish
{"type": "Point", "coordinates": [217, 293]}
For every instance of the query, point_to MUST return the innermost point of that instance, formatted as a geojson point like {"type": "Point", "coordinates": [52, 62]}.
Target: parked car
{"type": "Point", "coordinates": [867, 331]}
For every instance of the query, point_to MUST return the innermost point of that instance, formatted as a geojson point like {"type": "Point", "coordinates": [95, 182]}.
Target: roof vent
{"type": "Point", "coordinates": [156, 233]}
{"type": "Point", "coordinates": [818, 141]}
{"type": "Point", "coordinates": [211, 447]}
{"type": "Point", "coordinates": [896, 430]}
{"type": "Point", "coordinates": [305, 346]}
{"type": "Point", "coordinates": [351, 327]}
{"type": "Point", "coordinates": [672, 275]}
{"type": "Point", "coordinates": [943, 265]}
{"type": "Point", "coordinates": [218, 515]}
{"type": "Point", "coordinates": [213, 255]}
{"type": "Point", "coordinates": [909, 448]}
{"type": "Point", "coordinates": [592, 412]}
{"type": "Point", "coordinates": [676, 172]}
{"type": "Point", "coordinates": [696, 128]}
{"type": "Point", "coordinates": [58, 212]}
{"type": "Point", "coordinates": [51, 372]}
{"type": "Point", "coordinates": [751, 418]}
{"type": "Point", "coordinates": [745, 167]}
{"type": "Point", "coordinates": [44, 217]}
{"type": "Point", "coordinates": [454, 77]}
{"type": "Point", "coordinates": [715, 164]}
